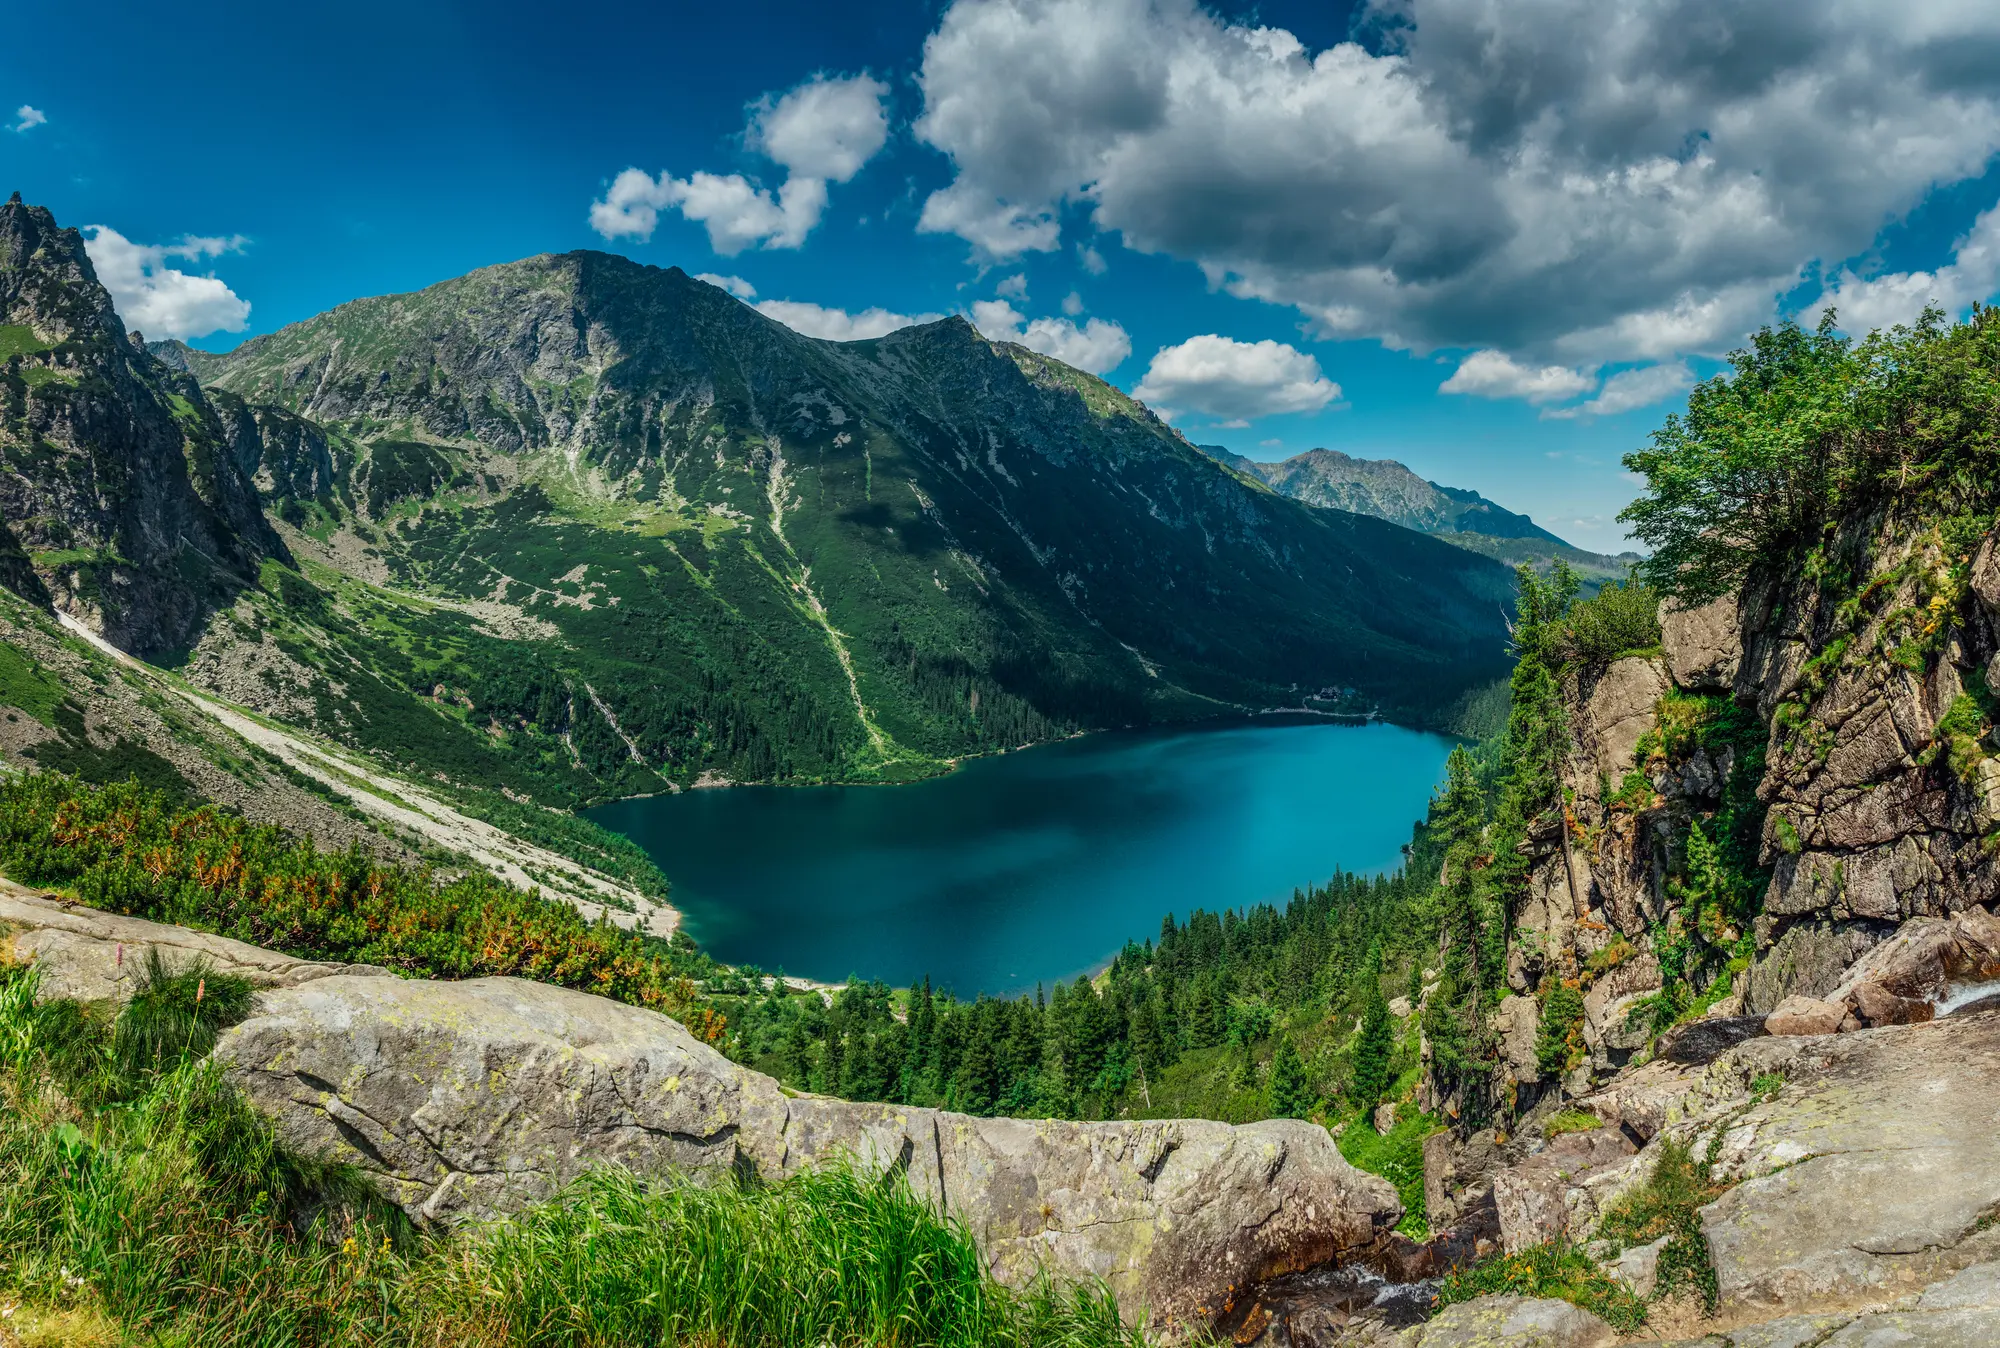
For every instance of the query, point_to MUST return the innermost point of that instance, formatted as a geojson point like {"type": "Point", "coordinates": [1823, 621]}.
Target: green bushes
{"type": "Point", "coordinates": [1669, 1204]}
{"type": "Point", "coordinates": [1559, 1039]}
{"type": "Point", "coordinates": [1618, 620]}
{"type": "Point", "coordinates": [1809, 428]}
{"type": "Point", "coordinates": [129, 850]}
{"type": "Point", "coordinates": [1397, 1156]}
{"type": "Point", "coordinates": [1557, 1270]}
{"type": "Point", "coordinates": [152, 1195]}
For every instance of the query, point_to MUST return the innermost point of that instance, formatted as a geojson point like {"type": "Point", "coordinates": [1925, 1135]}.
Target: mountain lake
{"type": "Point", "coordinates": [1035, 865]}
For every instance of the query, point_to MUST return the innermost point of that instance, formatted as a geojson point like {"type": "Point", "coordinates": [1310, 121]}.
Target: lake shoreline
{"type": "Point", "coordinates": [1021, 868]}
{"type": "Point", "coordinates": [714, 781]}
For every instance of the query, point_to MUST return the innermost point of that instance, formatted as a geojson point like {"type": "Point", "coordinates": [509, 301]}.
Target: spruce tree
{"type": "Point", "coordinates": [1557, 1041]}
{"type": "Point", "coordinates": [1377, 1038]}
{"type": "Point", "coordinates": [1289, 1097]}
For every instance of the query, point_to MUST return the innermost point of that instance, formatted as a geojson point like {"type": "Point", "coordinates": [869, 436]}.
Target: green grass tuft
{"type": "Point", "coordinates": [1668, 1204]}
{"type": "Point", "coordinates": [1558, 1270]}
{"type": "Point", "coordinates": [141, 1195]}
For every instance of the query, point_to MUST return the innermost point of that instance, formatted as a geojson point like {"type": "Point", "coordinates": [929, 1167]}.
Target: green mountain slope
{"type": "Point", "coordinates": [626, 527]}
{"type": "Point", "coordinates": [1389, 491]}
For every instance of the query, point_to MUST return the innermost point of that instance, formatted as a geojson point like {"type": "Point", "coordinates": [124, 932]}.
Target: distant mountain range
{"type": "Point", "coordinates": [575, 527]}
{"type": "Point", "coordinates": [1389, 491]}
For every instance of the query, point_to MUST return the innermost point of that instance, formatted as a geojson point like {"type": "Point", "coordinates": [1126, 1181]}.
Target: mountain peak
{"type": "Point", "coordinates": [128, 511]}
{"type": "Point", "coordinates": [46, 280]}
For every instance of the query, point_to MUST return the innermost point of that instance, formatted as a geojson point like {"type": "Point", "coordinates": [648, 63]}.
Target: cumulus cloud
{"type": "Point", "coordinates": [1234, 381]}
{"type": "Point", "coordinates": [160, 300]}
{"type": "Point", "coordinates": [838, 325]}
{"type": "Point", "coordinates": [1862, 305]}
{"type": "Point", "coordinates": [735, 285]}
{"type": "Point", "coordinates": [821, 132]}
{"type": "Point", "coordinates": [1569, 182]}
{"type": "Point", "coordinates": [1629, 390]}
{"type": "Point", "coordinates": [1090, 259]}
{"type": "Point", "coordinates": [1072, 304]}
{"type": "Point", "coordinates": [1495, 374]}
{"type": "Point", "coordinates": [27, 118]}
{"type": "Point", "coordinates": [1097, 346]}
{"type": "Point", "coordinates": [1014, 287]}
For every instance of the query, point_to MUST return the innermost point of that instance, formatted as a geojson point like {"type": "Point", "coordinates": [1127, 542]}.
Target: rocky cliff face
{"type": "Point", "coordinates": [1839, 725]}
{"type": "Point", "coordinates": [119, 501]}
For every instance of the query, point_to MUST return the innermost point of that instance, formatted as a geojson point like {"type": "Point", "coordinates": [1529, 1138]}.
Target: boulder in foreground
{"type": "Point", "coordinates": [473, 1099]}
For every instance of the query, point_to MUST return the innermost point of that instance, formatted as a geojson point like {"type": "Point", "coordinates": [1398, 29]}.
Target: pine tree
{"type": "Point", "coordinates": [1557, 1041]}
{"type": "Point", "coordinates": [1289, 1097]}
{"type": "Point", "coordinates": [1377, 1038]}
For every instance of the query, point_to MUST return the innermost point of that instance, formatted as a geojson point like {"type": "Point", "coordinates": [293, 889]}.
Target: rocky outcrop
{"type": "Point", "coordinates": [1960, 1312]}
{"type": "Point", "coordinates": [1557, 1193]}
{"type": "Point", "coordinates": [1798, 1015]}
{"type": "Point", "coordinates": [1512, 1322]}
{"type": "Point", "coordinates": [1703, 645]}
{"type": "Point", "coordinates": [1878, 810]}
{"type": "Point", "coordinates": [89, 955]}
{"type": "Point", "coordinates": [1874, 1166]}
{"type": "Point", "coordinates": [470, 1099]}
{"type": "Point", "coordinates": [119, 503]}
{"type": "Point", "coordinates": [284, 455]}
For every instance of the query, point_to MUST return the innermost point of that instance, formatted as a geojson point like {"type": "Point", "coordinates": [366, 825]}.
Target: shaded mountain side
{"type": "Point", "coordinates": [761, 554]}
{"type": "Point", "coordinates": [1385, 489]}
{"type": "Point", "coordinates": [118, 501]}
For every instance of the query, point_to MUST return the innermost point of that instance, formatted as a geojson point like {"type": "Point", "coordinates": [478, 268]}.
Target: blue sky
{"type": "Point", "coordinates": [1509, 241]}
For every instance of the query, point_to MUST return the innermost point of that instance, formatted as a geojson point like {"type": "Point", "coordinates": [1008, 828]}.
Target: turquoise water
{"type": "Point", "coordinates": [1036, 865]}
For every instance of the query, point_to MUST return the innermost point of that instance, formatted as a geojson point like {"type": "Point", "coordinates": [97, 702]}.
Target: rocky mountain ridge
{"type": "Point", "coordinates": [1843, 736]}
{"type": "Point", "coordinates": [1388, 490]}
{"type": "Point", "coordinates": [573, 528]}
{"type": "Point", "coordinates": [118, 501]}
{"type": "Point", "coordinates": [1038, 493]}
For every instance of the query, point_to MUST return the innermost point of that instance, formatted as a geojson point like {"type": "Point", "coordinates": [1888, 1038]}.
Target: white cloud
{"type": "Point", "coordinates": [1495, 374]}
{"type": "Point", "coordinates": [1014, 287]}
{"type": "Point", "coordinates": [822, 131]}
{"type": "Point", "coordinates": [163, 301]}
{"type": "Point", "coordinates": [1236, 381]}
{"type": "Point", "coordinates": [1097, 346]}
{"type": "Point", "coordinates": [1863, 305]}
{"type": "Point", "coordinates": [1631, 389]}
{"type": "Point", "coordinates": [1567, 182]}
{"type": "Point", "coordinates": [737, 213]}
{"type": "Point", "coordinates": [1090, 259]}
{"type": "Point", "coordinates": [824, 128]}
{"type": "Point", "coordinates": [837, 325]}
{"type": "Point", "coordinates": [1072, 304]}
{"type": "Point", "coordinates": [29, 118]}
{"type": "Point", "coordinates": [735, 285]}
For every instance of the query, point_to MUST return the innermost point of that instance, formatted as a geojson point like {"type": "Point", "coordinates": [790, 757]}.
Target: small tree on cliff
{"type": "Point", "coordinates": [1467, 929]}
{"type": "Point", "coordinates": [1290, 1099]}
{"type": "Point", "coordinates": [1558, 1043]}
{"type": "Point", "coordinates": [1373, 1045]}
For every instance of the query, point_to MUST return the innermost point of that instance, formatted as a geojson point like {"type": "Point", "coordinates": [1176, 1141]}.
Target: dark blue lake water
{"type": "Point", "coordinates": [1036, 865]}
